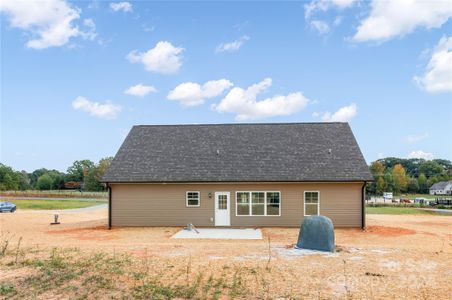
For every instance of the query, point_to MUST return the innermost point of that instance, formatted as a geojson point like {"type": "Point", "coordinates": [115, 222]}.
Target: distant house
{"type": "Point", "coordinates": [441, 188]}
{"type": "Point", "coordinates": [238, 175]}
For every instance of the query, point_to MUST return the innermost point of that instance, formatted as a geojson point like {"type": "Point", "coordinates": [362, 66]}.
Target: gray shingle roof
{"type": "Point", "coordinates": [239, 153]}
{"type": "Point", "coordinates": [440, 185]}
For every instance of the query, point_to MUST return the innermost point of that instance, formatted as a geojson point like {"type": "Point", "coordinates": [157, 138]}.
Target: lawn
{"type": "Point", "coordinates": [54, 204]}
{"type": "Point", "coordinates": [414, 196]}
{"type": "Point", "coordinates": [54, 194]}
{"type": "Point", "coordinates": [394, 210]}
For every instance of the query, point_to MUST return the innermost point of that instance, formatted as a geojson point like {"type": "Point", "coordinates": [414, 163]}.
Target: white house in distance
{"type": "Point", "coordinates": [441, 188]}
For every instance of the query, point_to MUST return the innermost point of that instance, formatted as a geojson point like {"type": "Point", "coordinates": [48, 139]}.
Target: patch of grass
{"type": "Point", "coordinates": [414, 196]}
{"type": "Point", "coordinates": [394, 210]}
{"type": "Point", "coordinates": [54, 204]}
{"type": "Point", "coordinates": [7, 289]}
{"type": "Point", "coordinates": [54, 194]}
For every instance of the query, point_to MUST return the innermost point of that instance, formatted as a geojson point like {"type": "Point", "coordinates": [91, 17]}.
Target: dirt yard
{"type": "Point", "coordinates": [398, 257]}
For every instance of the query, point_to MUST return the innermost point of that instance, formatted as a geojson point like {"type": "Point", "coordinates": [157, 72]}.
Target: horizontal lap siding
{"type": "Point", "coordinates": [342, 204]}
{"type": "Point", "coordinates": [164, 204]}
{"type": "Point", "coordinates": [157, 205]}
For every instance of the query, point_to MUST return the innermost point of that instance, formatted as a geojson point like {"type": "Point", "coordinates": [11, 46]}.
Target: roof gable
{"type": "Point", "coordinates": [239, 152]}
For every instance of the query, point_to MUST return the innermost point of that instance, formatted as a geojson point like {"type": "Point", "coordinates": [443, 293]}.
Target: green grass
{"type": "Point", "coordinates": [54, 194]}
{"type": "Point", "coordinates": [389, 210]}
{"type": "Point", "coordinates": [414, 196]}
{"type": "Point", "coordinates": [54, 204]}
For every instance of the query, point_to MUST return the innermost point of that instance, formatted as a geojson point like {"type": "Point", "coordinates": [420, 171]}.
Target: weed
{"type": "Point", "coordinates": [17, 250]}
{"type": "Point", "coordinates": [269, 255]}
{"type": "Point", "coordinates": [237, 287]}
{"type": "Point", "coordinates": [7, 289]}
{"type": "Point", "coordinates": [99, 281]}
{"type": "Point", "coordinates": [5, 239]}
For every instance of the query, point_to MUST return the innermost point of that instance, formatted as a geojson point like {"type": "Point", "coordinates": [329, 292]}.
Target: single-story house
{"type": "Point", "coordinates": [441, 188]}
{"type": "Point", "coordinates": [237, 175]}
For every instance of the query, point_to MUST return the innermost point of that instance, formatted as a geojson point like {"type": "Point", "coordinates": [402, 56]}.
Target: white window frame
{"type": "Point", "coordinates": [304, 203]}
{"type": "Point", "coordinates": [186, 199]}
{"type": "Point", "coordinates": [265, 204]}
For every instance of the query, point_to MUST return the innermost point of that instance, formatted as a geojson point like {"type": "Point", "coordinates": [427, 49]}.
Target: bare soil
{"type": "Point", "coordinates": [397, 257]}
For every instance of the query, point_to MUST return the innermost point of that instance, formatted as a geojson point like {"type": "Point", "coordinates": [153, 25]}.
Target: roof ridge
{"type": "Point", "coordinates": [233, 124]}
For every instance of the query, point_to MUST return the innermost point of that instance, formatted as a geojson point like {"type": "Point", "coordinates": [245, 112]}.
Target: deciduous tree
{"type": "Point", "coordinates": [399, 178]}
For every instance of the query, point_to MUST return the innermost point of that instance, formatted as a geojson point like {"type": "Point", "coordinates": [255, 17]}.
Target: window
{"type": "Point", "coordinates": [258, 204]}
{"type": "Point", "coordinates": [273, 204]}
{"type": "Point", "coordinates": [192, 199]}
{"type": "Point", "coordinates": [311, 203]}
{"type": "Point", "coordinates": [222, 202]}
{"type": "Point", "coordinates": [243, 204]}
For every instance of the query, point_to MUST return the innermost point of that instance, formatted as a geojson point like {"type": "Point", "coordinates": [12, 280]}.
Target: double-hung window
{"type": "Point", "coordinates": [311, 203]}
{"type": "Point", "coordinates": [258, 204]}
{"type": "Point", "coordinates": [192, 199]}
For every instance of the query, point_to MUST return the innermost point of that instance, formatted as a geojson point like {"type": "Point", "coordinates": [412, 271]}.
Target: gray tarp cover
{"type": "Point", "coordinates": [316, 233]}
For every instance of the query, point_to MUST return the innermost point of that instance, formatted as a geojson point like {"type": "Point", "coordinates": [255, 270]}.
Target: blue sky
{"type": "Point", "coordinates": [75, 76]}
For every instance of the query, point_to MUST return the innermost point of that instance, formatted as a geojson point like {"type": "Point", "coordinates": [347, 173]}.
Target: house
{"type": "Point", "coordinates": [441, 188]}
{"type": "Point", "coordinates": [237, 175]}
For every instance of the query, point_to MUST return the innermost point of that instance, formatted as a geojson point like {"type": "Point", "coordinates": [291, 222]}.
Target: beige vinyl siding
{"type": "Point", "coordinates": [165, 204]}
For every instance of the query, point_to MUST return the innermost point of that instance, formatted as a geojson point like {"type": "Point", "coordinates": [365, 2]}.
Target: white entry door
{"type": "Point", "coordinates": [222, 209]}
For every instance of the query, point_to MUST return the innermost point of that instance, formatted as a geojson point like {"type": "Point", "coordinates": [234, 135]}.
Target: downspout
{"type": "Point", "coordinates": [363, 205]}
{"type": "Point", "coordinates": [109, 205]}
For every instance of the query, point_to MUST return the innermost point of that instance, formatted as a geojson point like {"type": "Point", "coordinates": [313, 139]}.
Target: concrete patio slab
{"type": "Point", "coordinates": [220, 233]}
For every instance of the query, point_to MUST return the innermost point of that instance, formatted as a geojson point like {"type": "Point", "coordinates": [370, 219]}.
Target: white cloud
{"type": "Point", "coordinates": [322, 27]}
{"type": "Point", "coordinates": [124, 6]}
{"type": "Point", "coordinates": [106, 110]}
{"type": "Point", "coordinates": [416, 138]}
{"type": "Point", "coordinates": [140, 90]}
{"type": "Point", "coordinates": [49, 22]}
{"type": "Point", "coordinates": [90, 34]}
{"type": "Point", "coordinates": [391, 18]}
{"type": "Point", "coordinates": [420, 154]}
{"type": "Point", "coordinates": [192, 94]}
{"type": "Point", "coordinates": [163, 58]}
{"type": "Point", "coordinates": [323, 5]}
{"type": "Point", "coordinates": [343, 114]}
{"type": "Point", "coordinates": [232, 46]}
{"type": "Point", "coordinates": [244, 104]}
{"type": "Point", "coordinates": [438, 74]}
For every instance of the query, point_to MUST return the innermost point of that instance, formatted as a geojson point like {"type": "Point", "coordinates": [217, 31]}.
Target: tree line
{"type": "Point", "coordinates": [82, 174]}
{"type": "Point", "coordinates": [414, 175]}
{"type": "Point", "coordinates": [390, 174]}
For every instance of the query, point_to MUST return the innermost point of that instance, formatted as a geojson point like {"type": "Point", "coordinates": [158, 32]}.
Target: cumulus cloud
{"type": "Point", "coordinates": [416, 138]}
{"type": "Point", "coordinates": [244, 103]}
{"type": "Point", "coordinates": [390, 18]}
{"type": "Point", "coordinates": [321, 27]}
{"type": "Point", "coordinates": [106, 110]}
{"type": "Point", "coordinates": [438, 74]}
{"type": "Point", "coordinates": [232, 46]}
{"type": "Point", "coordinates": [420, 154]}
{"type": "Point", "coordinates": [163, 58]}
{"type": "Point", "coordinates": [121, 6]}
{"type": "Point", "coordinates": [343, 114]}
{"type": "Point", "coordinates": [192, 94]}
{"type": "Point", "coordinates": [51, 23]}
{"type": "Point", "coordinates": [323, 5]}
{"type": "Point", "coordinates": [140, 90]}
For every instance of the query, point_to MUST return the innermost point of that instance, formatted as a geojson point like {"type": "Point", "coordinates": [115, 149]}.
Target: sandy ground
{"type": "Point", "coordinates": [406, 256]}
{"type": "Point", "coordinates": [87, 229]}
